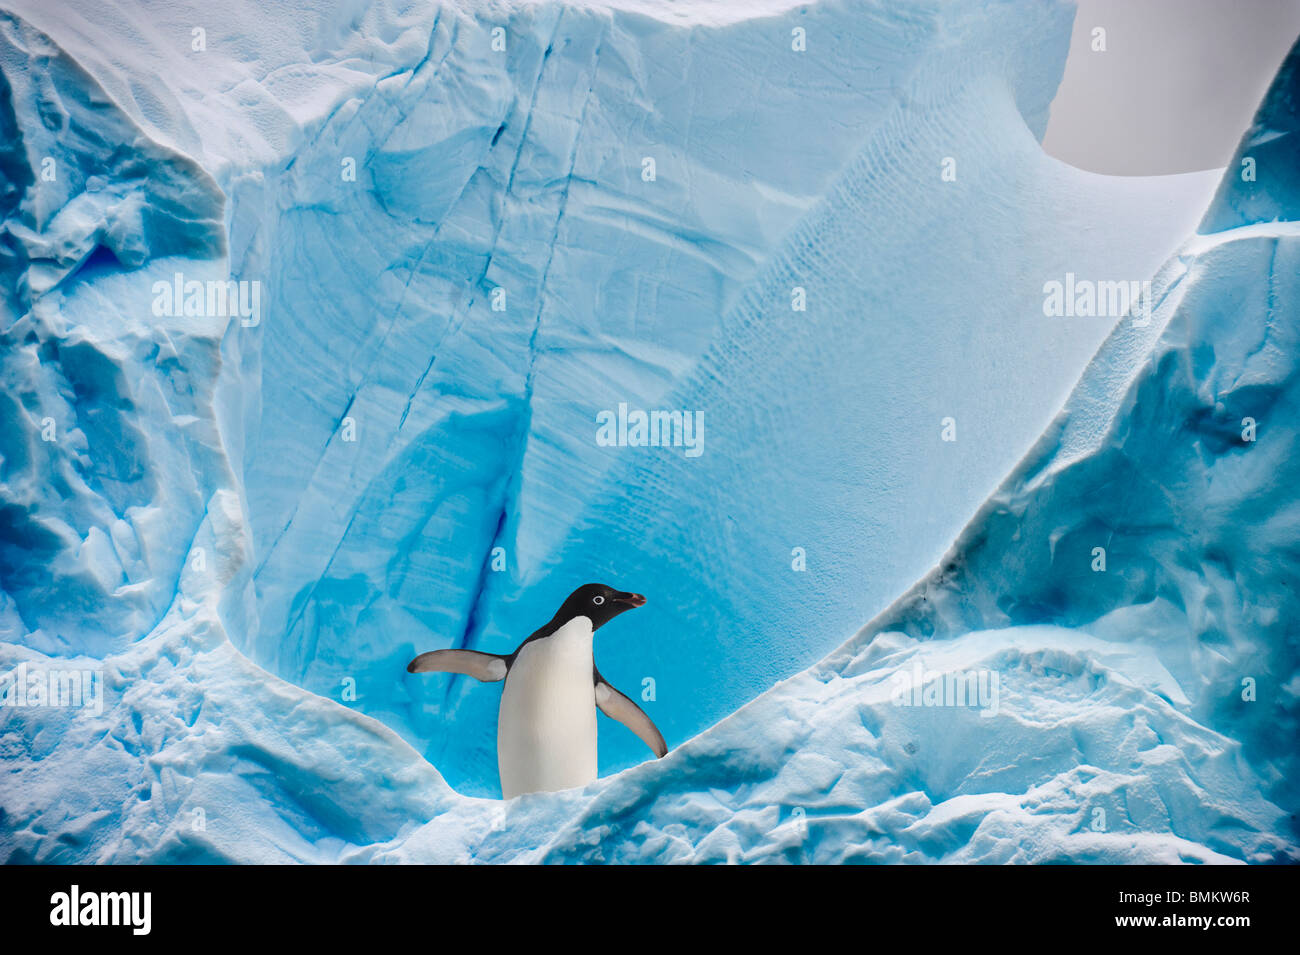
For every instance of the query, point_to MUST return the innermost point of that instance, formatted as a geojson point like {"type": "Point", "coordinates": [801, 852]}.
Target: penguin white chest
{"type": "Point", "coordinates": [546, 734]}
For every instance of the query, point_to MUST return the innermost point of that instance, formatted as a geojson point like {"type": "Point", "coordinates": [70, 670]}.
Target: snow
{"type": "Point", "coordinates": [250, 528]}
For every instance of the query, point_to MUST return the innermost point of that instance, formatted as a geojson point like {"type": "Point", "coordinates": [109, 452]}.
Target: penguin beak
{"type": "Point", "coordinates": [635, 600]}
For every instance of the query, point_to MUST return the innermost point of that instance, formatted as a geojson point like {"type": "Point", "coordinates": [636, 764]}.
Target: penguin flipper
{"type": "Point", "coordinates": [617, 706]}
{"type": "Point", "coordinates": [488, 667]}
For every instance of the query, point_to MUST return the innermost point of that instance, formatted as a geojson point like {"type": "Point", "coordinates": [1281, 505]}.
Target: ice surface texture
{"type": "Point", "coordinates": [326, 560]}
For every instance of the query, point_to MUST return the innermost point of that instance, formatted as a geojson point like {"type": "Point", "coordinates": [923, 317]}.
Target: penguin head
{"type": "Point", "coordinates": [599, 603]}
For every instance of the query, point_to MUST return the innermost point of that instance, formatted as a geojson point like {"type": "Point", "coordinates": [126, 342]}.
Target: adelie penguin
{"type": "Point", "coordinates": [546, 734]}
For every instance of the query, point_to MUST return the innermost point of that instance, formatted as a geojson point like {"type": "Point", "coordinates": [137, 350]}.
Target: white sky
{"type": "Point", "coordinates": [1177, 86]}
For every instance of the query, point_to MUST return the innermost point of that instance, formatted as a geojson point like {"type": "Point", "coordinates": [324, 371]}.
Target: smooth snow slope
{"type": "Point", "coordinates": [323, 559]}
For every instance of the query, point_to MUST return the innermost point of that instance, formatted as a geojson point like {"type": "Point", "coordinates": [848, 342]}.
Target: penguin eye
{"type": "Point", "coordinates": [598, 600]}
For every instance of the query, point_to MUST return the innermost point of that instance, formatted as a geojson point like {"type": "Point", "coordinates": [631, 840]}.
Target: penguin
{"type": "Point", "coordinates": [546, 733]}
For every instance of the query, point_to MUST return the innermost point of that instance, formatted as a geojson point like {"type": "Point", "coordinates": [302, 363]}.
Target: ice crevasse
{"type": "Point", "coordinates": [203, 532]}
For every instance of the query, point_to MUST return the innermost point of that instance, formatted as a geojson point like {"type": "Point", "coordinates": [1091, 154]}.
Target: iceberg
{"type": "Point", "coordinates": [820, 235]}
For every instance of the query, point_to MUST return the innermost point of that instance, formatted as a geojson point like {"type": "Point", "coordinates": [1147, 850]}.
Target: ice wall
{"type": "Point", "coordinates": [108, 448]}
{"type": "Point", "coordinates": [204, 531]}
{"type": "Point", "coordinates": [521, 171]}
